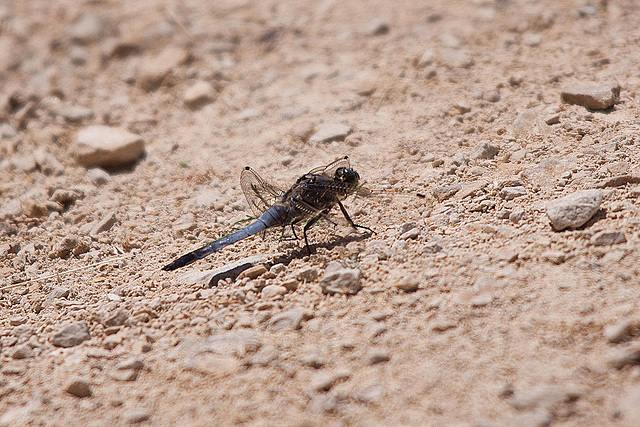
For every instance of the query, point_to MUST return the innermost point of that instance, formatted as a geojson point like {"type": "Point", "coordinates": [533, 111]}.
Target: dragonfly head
{"type": "Point", "coordinates": [347, 175]}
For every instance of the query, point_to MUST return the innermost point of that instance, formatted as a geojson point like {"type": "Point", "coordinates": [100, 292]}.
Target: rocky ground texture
{"type": "Point", "coordinates": [508, 295]}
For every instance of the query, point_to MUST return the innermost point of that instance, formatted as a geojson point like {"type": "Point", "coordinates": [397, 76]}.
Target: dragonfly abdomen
{"type": "Point", "coordinates": [273, 217]}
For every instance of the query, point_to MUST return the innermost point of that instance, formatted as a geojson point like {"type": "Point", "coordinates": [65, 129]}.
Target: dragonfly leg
{"type": "Point", "coordinates": [293, 230]}
{"type": "Point", "coordinates": [307, 226]}
{"type": "Point", "coordinates": [354, 225]}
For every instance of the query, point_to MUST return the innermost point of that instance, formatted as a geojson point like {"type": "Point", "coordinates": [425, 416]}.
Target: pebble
{"type": "Point", "coordinates": [554, 257]}
{"type": "Point", "coordinates": [324, 381]}
{"type": "Point", "coordinates": [528, 123]}
{"type": "Point", "coordinates": [619, 332]}
{"type": "Point", "coordinates": [492, 96]}
{"type": "Point", "coordinates": [340, 280]}
{"type": "Point", "coordinates": [125, 374]}
{"type": "Point", "coordinates": [273, 291]}
{"type": "Point", "coordinates": [11, 209]}
{"type": "Point", "coordinates": [199, 94]}
{"type": "Point", "coordinates": [64, 247]}
{"type": "Point", "coordinates": [407, 284]}
{"type": "Point", "coordinates": [376, 27]}
{"type": "Point", "coordinates": [248, 114]}
{"type": "Point", "coordinates": [455, 58]}
{"type": "Point", "coordinates": [574, 210]}
{"type": "Point", "coordinates": [592, 97]}
{"type": "Point", "coordinates": [78, 387]}
{"type": "Point", "coordinates": [104, 224]}
{"type": "Point", "coordinates": [75, 113]}
{"type": "Point", "coordinates": [516, 215]}
{"type": "Point", "coordinates": [378, 355]}
{"type": "Point", "coordinates": [608, 238]}
{"type": "Point", "coordinates": [629, 355]}
{"type": "Point", "coordinates": [485, 151]}
{"type": "Point", "coordinates": [308, 274]}
{"type": "Point", "coordinates": [330, 132]}
{"type": "Point", "coordinates": [253, 272]}
{"type": "Point", "coordinates": [71, 335]}
{"type": "Point", "coordinates": [59, 292]}
{"type": "Point", "coordinates": [98, 176]}
{"type": "Point", "coordinates": [22, 351]}
{"type": "Point", "coordinates": [443, 193]}
{"type": "Point", "coordinates": [134, 363]}
{"type": "Point", "coordinates": [546, 397]}
{"type": "Point", "coordinates": [136, 415]}
{"type": "Point", "coordinates": [108, 147]}
{"type": "Point", "coordinates": [411, 234]}
{"type": "Point", "coordinates": [510, 193]}
{"type": "Point", "coordinates": [290, 320]}
{"type": "Point", "coordinates": [114, 318]}
{"type": "Point", "coordinates": [154, 70]}
{"type": "Point", "coordinates": [17, 320]}
{"type": "Point", "coordinates": [89, 28]}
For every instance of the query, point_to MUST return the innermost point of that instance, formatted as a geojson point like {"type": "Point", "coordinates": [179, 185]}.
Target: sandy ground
{"type": "Point", "coordinates": [472, 310]}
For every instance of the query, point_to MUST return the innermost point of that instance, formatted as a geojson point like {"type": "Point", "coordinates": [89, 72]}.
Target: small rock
{"type": "Point", "coordinates": [115, 318]}
{"type": "Point", "coordinates": [330, 132]}
{"type": "Point", "coordinates": [65, 246]}
{"type": "Point", "coordinates": [137, 415]}
{"type": "Point", "coordinates": [455, 58]}
{"type": "Point", "coordinates": [516, 215]}
{"type": "Point", "coordinates": [492, 96]}
{"type": "Point", "coordinates": [629, 355]}
{"type": "Point", "coordinates": [378, 355]}
{"type": "Point", "coordinates": [154, 70]}
{"type": "Point", "coordinates": [308, 274]}
{"type": "Point", "coordinates": [253, 272]}
{"type": "Point", "coordinates": [89, 28]}
{"type": "Point", "coordinates": [11, 209]}
{"type": "Point", "coordinates": [619, 332]}
{"type": "Point", "coordinates": [485, 151]}
{"type": "Point", "coordinates": [432, 247]}
{"type": "Point", "coordinates": [592, 97]}
{"type": "Point", "coordinates": [444, 325]}
{"type": "Point", "coordinates": [22, 351]}
{"type": "Point", "coordinates": [510, 193]}
{"type": "Point", "coordinates": [324, 381]}
{"type": "Point", "coordinates": [287, 320]}
{"type": "Point", "coordinates": [104, 224]}
{"type": "Point", "coordinates": [408, 284]}
{"type": "Point", "coordinates": [608, 238]}
{"type": "Point", "coordinates": [338, 279]}
{"type": "Point", "coordinates": [376, 27]}
{"type": "Point", "coordinates": [546, 397]}
{"type": "Point", "coordinates": [410, 234]}
{"type": "Point", "coordinates": [78, 387]}
{"type": "Point", "coordinates": [59, 292]}
{"type": "Point", "coordinates": [74, 113]}
{"type": "Point", "coordinates": [574, 210]}
{"type": "Point", "coordinates": [199, 94]}
{"type": "Point", "coordinates": [273, 291]}
{"type": "Point", "coordinates": [98, 176]}
{"type": "Point", "coordinates": [108, 147]}
{"type": "Point", "coordinates": [17, 320]}
{"type": "Point", "coordinates": [554, 257]}
{"type": "Point", "coordinates": [528, 123]}
{"type": "Point", "coordinates": [125, 374]}
{"type": "Point", "coordinates": [532, 39]}
{"type": "Point", "coordinates": [71, 335]}
{"type": "Point", "coordinates": [446, 192]}
{"type": "Point", "coordinates": [427, 59]}
{"type": "Point", "coordinates": [134, 363]}
{"type": "Point", "coordinates": [248, 114]}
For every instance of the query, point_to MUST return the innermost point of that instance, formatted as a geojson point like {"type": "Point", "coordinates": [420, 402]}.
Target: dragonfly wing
{"type": "Point", "coordinates": [259, 193]}
{"type": "Point", "coordinates": [330, 170]}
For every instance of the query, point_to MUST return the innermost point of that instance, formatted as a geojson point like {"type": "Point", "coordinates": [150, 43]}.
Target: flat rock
{"type": "Point", "coordinates": [340, 280]}
{"type": "Point", "coordinates": [71, 335]}
{"type": "Point", "coordinates": [620, 331]}
{"type": "Point", "coordinates": [510, 193]}
{"type": "Point", "coordinates": [108, 147]}
{"type": "Point", "coordinates": [78, 387]}
{"type": "Point", "coordinates": [608, 237]}
{"type": "Point", "coordinates": [136, 415]}
{"type": "Point", "coordinates": [104, 224]}
{"type": "Point", "coordinates": [199, 94]}
{"type": "Point", "coordinates": [592, 97]}
{"type": "Point", "coordinates": [528, 123]}
{"type": "Point", "coordinates": [446, 192]}
{"type": "Point", "coordinates": [573, 210]}
{"type": "Point", "coordinates": [485, 151]}
{"type": "Point", "coordinates": [330, 132]}
{"type": "Point", "coordinates": [629, 355]}
{"type": "Point", "coordinates": [287, 320]}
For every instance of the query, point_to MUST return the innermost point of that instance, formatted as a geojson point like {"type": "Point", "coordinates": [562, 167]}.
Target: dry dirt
{"type": "Point", "coordinates": [473, 310]}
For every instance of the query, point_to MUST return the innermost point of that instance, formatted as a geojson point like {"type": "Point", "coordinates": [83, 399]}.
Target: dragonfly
{"type": "Point", "coordinates": [309, 200]}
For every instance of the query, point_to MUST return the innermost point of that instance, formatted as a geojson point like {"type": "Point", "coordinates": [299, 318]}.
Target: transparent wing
{"type": "Point", "coordinates": [259, 193]}
{"type": "Point", "coordinates": [330, 170]}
